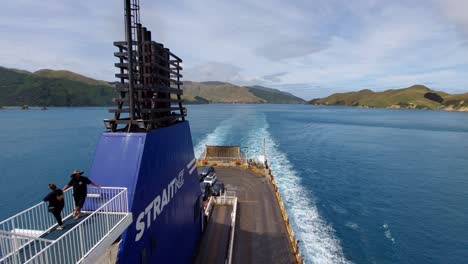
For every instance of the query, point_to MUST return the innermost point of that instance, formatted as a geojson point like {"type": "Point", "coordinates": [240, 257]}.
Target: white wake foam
{"type": "Point", "coordinates": [388, 233]}
{"type": "Point", "coordinates": [317, 240]}
{"type": "Point", "coordinates": [217, 137]}
{"type": "Point", "coordinates": [352, 225]}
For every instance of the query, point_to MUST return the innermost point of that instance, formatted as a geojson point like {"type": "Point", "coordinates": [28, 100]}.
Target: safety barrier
{"type": "Point", "coordinates": [36, 220]}
{"type": "Point", "coordinates": [233, 231]}
{"type": "Point", "coordinates": [12, 242]}
{"type": "Point", "coordinates": [21, 235]}
{"type": "Point", "coordinates": [292, 238]}
{"type": "Point", "coordinates": [209, 206]}
{"type": "Point", "coordinates": [229, 198]}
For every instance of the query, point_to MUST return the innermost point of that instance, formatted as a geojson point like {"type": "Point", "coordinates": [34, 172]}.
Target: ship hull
{"type": "Point", "coordinates": [159, 170]}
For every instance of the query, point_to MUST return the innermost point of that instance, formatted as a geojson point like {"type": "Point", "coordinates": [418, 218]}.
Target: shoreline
{"type": "Point", "coordinates": [392, 107]}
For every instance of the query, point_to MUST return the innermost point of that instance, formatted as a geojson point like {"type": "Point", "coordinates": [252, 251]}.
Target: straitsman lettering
{"type": "Point", "coordinates": [156, 207]}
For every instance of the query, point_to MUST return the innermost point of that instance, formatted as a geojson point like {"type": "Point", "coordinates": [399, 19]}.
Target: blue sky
{"type": "Point", "coordinates": [309, 48]}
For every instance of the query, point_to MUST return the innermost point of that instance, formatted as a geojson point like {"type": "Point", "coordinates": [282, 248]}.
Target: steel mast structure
{"type": "Point", "coordinates": [150, 80]}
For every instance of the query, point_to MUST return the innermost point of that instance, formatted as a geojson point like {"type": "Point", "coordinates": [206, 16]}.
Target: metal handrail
{"type": "Point", "coordinates": [70, 247]}
{"type": "Point", "coordinates": [209, 206]}
{"type": "Point", "coordinates": [108, 207]}
{"type": "Point", "coordinates": [5, 233]}
{"type": "Point", "coordinates": [36, 221]}
{"type": "Point", "coordinates": [233, 231]}
{"type": "Point", "coordinates": [29, 209]}
{"type": "Point", "coordinates": [11, 243]}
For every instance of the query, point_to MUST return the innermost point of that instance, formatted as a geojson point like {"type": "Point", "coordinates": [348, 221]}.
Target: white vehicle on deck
{"type": "Point", "coordinates": [210, 179]}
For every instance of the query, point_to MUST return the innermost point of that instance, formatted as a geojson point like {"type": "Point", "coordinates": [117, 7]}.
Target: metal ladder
{"type": "Point", "coordinates": [135, 21]}
{"type": "Point", "coordinates": [135, 17]}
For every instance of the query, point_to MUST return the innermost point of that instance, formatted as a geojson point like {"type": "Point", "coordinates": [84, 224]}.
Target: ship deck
{"type": "Point", "coordinates": [260, 235]}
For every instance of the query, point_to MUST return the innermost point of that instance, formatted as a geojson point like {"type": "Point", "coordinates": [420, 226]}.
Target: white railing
{"type": "Point", "coordinates": [229, 198]}
{"type": "Point", "coordinates": [17, 248]}
{"type": "Point", "coordinates": [105, 208]}
{"type": "Point", "coordinates": [233, 231]}
{"type": "Point", "coordinates": [36, 221]}
{"type": "Point", "coordinates": [226, 198]}
{"type": "Point", "coordinates": [209, 206]}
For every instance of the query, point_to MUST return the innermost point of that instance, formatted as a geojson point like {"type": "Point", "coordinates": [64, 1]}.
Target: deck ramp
{"type": "Point", "coordinates": [222, 154]}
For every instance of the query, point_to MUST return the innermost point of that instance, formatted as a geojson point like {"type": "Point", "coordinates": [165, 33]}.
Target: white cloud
{"type": "Point", "coordinates": [214, 71]}
{"type": "Point", "coordinates": [275, 77]}
{"type": "Point", "coordinates": [323, 45]}
{"type": "Point", "coordinates": [455, 10]}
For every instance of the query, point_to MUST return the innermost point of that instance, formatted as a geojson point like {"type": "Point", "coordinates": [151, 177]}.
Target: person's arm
{"type": "Point", "coordinates": [70, 183]}
{"type": "Point", "coordinates": [88, 181]}
{"type": "Point", "coordinates": [47, 198]}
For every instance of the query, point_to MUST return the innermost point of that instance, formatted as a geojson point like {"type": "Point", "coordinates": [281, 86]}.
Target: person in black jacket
{"type": "Point", "coordinates": [80, 190]}
{"type": "Point", "coordinates": [56, 203]}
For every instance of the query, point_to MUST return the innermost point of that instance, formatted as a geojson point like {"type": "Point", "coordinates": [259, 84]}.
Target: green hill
{"type": "Point", "coordinates": [414, 97]}
{"type": "Point", "coordinates": [274, 96]}
{"type": "Point", "coordinates": [221, 92]}
{"type": "Point", "coordinates": [65, 88]}
{"type": "Point", "coordinates": [218, 92]}
{"type": "Point", "coordinates": [19, 88]}
{"type": "Point", "coordinates": [351, 98]}
{"type": "Point", "coordinates": [68, 75]}
{"type": "Point", "coordinates": [456, 102]}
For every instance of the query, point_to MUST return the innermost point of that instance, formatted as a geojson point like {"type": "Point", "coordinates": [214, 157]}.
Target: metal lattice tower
{"type": "Point", "coordinates": [150, 86]}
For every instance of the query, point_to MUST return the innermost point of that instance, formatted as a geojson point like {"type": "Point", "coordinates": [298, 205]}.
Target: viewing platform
{"type": "Point", "coordinates": [31, 236]}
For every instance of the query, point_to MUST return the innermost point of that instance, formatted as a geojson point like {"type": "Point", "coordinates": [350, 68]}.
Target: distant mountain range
{"type": "Point", "coordinates": [52, 88]}
{"type": "Point", "coordinates": [414, 97]}
{"type": "Point", "coordinates": [64, 88]}
{"type": "Point", "coordinates": [221, 92]}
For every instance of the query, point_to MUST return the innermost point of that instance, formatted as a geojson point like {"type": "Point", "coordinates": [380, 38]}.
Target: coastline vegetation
{"type": "Point", "coordinates": [64, 88]}
{"type": "Point", "coordinates": [414, 97]}
{"type": "Point", "coordinates": [20, 88]}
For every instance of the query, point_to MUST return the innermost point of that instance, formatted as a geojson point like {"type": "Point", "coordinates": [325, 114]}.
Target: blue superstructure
{"type": "Point", "coordinates": [159, 170]}
{"type": "Point", "coordinates": [148, 149]}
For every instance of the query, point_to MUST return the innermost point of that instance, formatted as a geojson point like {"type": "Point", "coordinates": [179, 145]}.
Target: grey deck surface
{"type": "Point", "coordinates": [261, 235]}
{"type": "Point", "coordinates": [68, 224]}
{"type": "Point", "coordinates": [214, 244]}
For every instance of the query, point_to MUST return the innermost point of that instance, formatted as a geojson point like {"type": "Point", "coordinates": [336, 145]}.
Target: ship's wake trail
{"type": "Point", "coordinates": [317, 240]}
{"type": "Point", "coordinates": [217, 137]}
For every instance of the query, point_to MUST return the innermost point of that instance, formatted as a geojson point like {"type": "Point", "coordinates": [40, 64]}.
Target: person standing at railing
{"type": "Point", "coordinates": [56, 203]}
{"type": "Point", "coordinates": [80, 190]}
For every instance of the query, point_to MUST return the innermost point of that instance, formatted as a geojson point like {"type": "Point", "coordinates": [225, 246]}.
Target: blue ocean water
{"type": "Point", "coordinates": [360, 185]}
